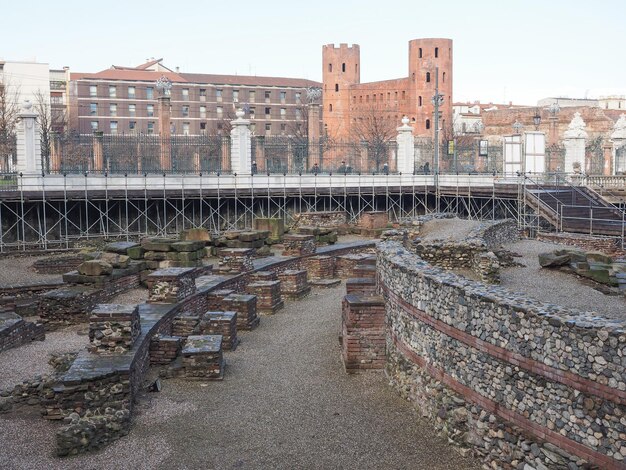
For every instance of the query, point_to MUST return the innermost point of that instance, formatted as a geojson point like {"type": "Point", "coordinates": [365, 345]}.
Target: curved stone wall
{"type": "Point", "coordinates": [512, 379]}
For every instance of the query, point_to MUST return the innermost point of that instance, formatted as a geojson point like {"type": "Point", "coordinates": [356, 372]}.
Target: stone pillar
{"type": "Point", "coordinates": [607, 152]}
{"type": "Point", "coordinates": [55, 154]}
{"type": "Point", "coordinates": [171, 285]}
{"type": "Point", "coordinates": [98, 153]}
{"type": "Point", "coordinates": [618, 138]}
{"type": "Point", "coordinates": [240, 147]}
{"type": "Point", "coordinates": [28, 142]}
{"type": "Point", "coordinates": [165, 133]}
{"type": "Point", "coordinates": [406, 148]}
{"type": "Point", "coordinates": [314, 135]}
{"type": "Point", "coordinates": [575, 137]}
{"type": "Point", "coordinates": [363, 333]}
{"type": "Point", "coordinates": [553, 132]}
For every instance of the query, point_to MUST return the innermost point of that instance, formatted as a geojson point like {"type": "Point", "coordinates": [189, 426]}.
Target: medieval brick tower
{"type": "Point", "coordinates": [342, 70]}
{"type": "Point", "coordinates": [347, 101]}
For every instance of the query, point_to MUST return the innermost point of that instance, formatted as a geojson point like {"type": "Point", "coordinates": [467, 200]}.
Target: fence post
{"type": "Point", "coordinates": [165, 133]}
{"type": "Point", "coordinates": [313, 135]}
{"type": "Point", "coordinates": [241, 147]}
{"type": "Point", "coordinates": [406, 148]}
{"type": "Point", "coordinates": [28, 142]}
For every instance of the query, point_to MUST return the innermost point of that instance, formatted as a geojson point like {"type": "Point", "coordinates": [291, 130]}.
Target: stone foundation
{"type": "Point", "coordinates": [345, 264]}
{"type": "Point", "coordinates": [246, 308]}
{"type": "Point", "coordinates": [269, 300]}
{"type": "Point", "coordinates": [171, 285]}
{"type": "Point", "coordinates": [57, 264]}
{"type": "Point", "coordinates": [220, 323]}
{"type": "Point", "coordinates": [15, 331]}
{"type": "Point", "coordinates": [113, 328]}
{"type": "Point", "coordinates": [294, 284]}
{"type": "Point", "coordinates": [299, 245]}
{"type": "Point", "coordinates": [327, 219]}
{"type": "Point", "coordinates": [363, 332]}
{"type": "Point", "coordinates": [610, 246]}
{"type": "Point", "coordinates": [164, 349]}
{"type": "Point", "coordinates": [69, 305]}
{"type": "Point", "coordinates": [321, 267]}
{"type": "Point", "coordinates": [202, 358]}
{"type": "Point", "coordinates": [235, 260]}
{"type": "Point", "coordinates": [364, 271]}
{"type": "Point", "coordinates": [363, 286]}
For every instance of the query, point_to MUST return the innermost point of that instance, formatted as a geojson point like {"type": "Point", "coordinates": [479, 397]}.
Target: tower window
{"type": "Point", "coordinates": [330, 107]}
{"type": "Point", "coordinates": [427, 77]}
{"type": "Point", "coordinates": [413, 76]}
{"type": "Point", "coordinates": [336, 86]}
{"type": "Point", "coordinates": [436, 52]}
{"type": "Point", "coordinates": [427, 123]}
{"type": "Point", "coordinates": [343, 67]}
{"type": "Point", "coordinates": [330, 67]}
{"type": "Point", "coordinates": [419, 101]}
{"type": "Point", "coordinates": [420, 53]}
{"type": "Point", "coordinates": [443, 77]}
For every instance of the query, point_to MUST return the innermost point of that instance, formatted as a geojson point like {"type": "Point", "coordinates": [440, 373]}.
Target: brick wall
{"type": "Point", "coordinates": [363, 332]}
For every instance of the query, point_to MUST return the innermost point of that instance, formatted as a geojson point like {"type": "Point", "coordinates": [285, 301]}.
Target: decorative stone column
{"type": "Point", "coordinates": [618, 138]}
{"type": "Point", "coordinates": [575, 137]}
{"type": "Point", "coordinates": [241, 147]}
{"type": "Point", "coordinates": [406, 148]}
{"type": "Point", "coordinates": [165, 132]}
{"type": "Point", "coordinates": [28, 142]}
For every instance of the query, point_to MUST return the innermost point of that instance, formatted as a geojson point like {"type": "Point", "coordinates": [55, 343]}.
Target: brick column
{"type": "Point", "coordinates": [98, 151]}
{"type": "Point", "coordinates": [165, 133]}
{"type": "Point", "coordinates": [171, 285]}
{"type": "Point", "coordinates": [363, 333]}
{"type": "Point", "coordinates": [314, 135]}
{"type": "Point", "coordinates": [113, 328]}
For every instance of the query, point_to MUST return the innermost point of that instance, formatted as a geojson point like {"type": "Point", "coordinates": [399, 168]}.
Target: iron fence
{"type": "Point", "coordinates": [459, 156]}
{"type": "Point", "coordinates": [292, 155]}
{"type": "Point", "coordinates": [8, 153]}
{"type": "Point", "coordinates": [138, 154]}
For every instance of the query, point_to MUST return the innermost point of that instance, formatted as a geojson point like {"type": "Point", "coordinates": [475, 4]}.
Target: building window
{"type": "Point", "coordinates": [420, 53]}
{"type": "Point", "coordinates": [112, 109]}
{"type": "Point", "coordinates": [220, 112]}
{"type": "Point", "coordinates": [283, 128]}
{"type": "Point", "coordinates": [252, 96]}
{"type": "Point", "coordinates": [336, 86]}
{"type": "Point", "coordinates": [396, 96]}
{"type": "Point", "coordinates": [298, 97]}
{"type": "Point", "coordinates": [132, 125]}
{"type": "Point", "coordinates": [268, 127]}
{"type": "Point", "coordinates": [235, 96]}
{"type": "Point", "coordinates": [283, 113]}
{"type": "Point", "coordinates": [218, 94]}
{"type": "Point", "coordinates": [93, 109]}
{"type": "Point", "coordinates": [93, 90]}
{"type": "Point", "coordinates": [202, 94]}
{"type": "Point", "coordinates": [436, 52]}
{"type": "Point", "coordinates": [149, 93]}
{"type": "Point", "coordinates": [252, 111]}
{"type": "Point", "coordinates": [268, 113]}
{"type": "Point", "coordinates": [343, 67]}
{"type": "Point", "coordinates": [388, 96]}
{"type": "Point", "coordinates": [403, 94]}
{"type": "Point", "coordinates": [427, 77]}
{"type": "Point", "coordinates": [419, 101]}
{"type": "Point", "coordinates": [112, 91]}
{"type": "Point", "coordinates": [185, 128]}
{"type": "Point", "coordinates": [185, 94]}
{"type": "Point", "coordinates": [113, 125]}
{"type": "Point", "coordinates": [150, 110]}
{"type": "Point", "coordinates": [203, 112]}
{"type": "Point", "coordinates": [374, 97]}
{"type": "Point", "coordinates": [427, 123]}
{"type": "Point", "coordinates": [298, 113]}
{"type": "Point", "coordinates": [413, 76]}
{"type": "Point", "coordinates": [330, 67]}
{"type": "Point", "coordinates": [151, 127]}
{"type": "Point", "coordinates": [443, 77]}
{"type": "Point", "coordinates": [185, 111]}
{"type": "Point", "coordinates": [94, 125]}
{"type": "Point", "coordinates": [131, 92]}
{"type": "Point", "coordinates": [203, 126]}
{"type": "Point", "coordinates": [132, 110]}
{"type": "Point", "coordinates": [283, 96]}
{"type": "Point", "coordinates": [330, 107]}
{"type": "Point", "coordinates": [367, 98]}
{"type": "Point", "coordinates": [268, 95]}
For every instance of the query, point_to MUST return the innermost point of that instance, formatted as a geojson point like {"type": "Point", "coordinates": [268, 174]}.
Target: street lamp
{"type": "Point", "coordinates": [517, 127]}
{"type": "Point", "coordinates": [537, 119]}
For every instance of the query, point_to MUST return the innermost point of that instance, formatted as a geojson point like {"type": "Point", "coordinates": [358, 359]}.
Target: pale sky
{"type": "Point", "coordinates": [517, 51]}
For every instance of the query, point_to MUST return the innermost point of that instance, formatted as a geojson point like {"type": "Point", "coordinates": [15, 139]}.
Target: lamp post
{"type": "Point", "coordinates": [517, 127]}
{"type": "Point", "coordinates": [437, 100]}
{"type": "Point", "coordinates": [537, 119]}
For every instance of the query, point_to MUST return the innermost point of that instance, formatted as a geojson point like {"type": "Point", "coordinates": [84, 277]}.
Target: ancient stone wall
{"type": "Point", "coordinates": [14, 331]}
{"type": "Point", "coordinates": [610, 246]}
{"type": "Point", "coordinates": [510, 379]}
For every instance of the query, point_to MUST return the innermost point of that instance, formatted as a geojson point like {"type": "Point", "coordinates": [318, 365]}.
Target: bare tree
{"type": "Point", "coordinates": [376, 126]}
{"type": "Point", "coordinates": [9, 113]}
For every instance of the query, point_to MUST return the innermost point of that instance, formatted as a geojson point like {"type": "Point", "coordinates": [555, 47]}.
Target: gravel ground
{"type": "Point", "coordinates": [554, 286]}
{"type": "Point", "coordinates": [453, 229]}
{"type": "Point", "coordinates": [285, 403]}
{"type": "Point", "coordinates": [25, 362]}
{"type": "Point", "coordinates": [18, 270]}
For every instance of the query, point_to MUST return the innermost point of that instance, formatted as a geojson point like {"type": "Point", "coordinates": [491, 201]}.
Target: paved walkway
{"type": "Point", "coordinates": [285, 403]}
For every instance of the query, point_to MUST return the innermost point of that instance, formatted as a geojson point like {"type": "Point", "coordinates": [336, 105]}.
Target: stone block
{"type": "Point", "coordinates": [264, 276]}
{"type": "Point", "coordinates": [274, 226]}
{"type": "Point", "coordinates": [202, 358]}
{"type": "Point", "coordinates": [220, 323]}
{"type": "Point", "coordinates": [246, 307]}
{"type": "Point", "coordinates": [321, 267]}
{"type": "Point", "coordinates": [269, 300]}
{"type": "Point", "coordinates": [187, 246]}
{"type": "Point", "coordinates": [197, 234]}
{"type": "Point", "coordinates": [95, 268]}
{"type": "Point", "coordinates": [184, 324]}
{"type": "Point", "coordinates": [361, 286]}
{"type": "Point", "coordinates": [374, 220]}
{"type": "Point", "coordinates": [235, 260]}
{"type": "Point", "coordinates": [364, 270]}
{"type": "Point", "coordinates": [155, 255]}
{"type": "Point", "coordinates": [598, 257]}
{"type": "Point", "coordinates": [157, 244]}
{"type": "Point", "coordinates": [121, 248]}
{"type": "Point", "coordinates": [551, 260]}
{"type": "Point", "coordinates": [298, 245]}
{"type": "Point", "coordinates": [171, 285]}
{"type": "Point", "coordinates": [136, 252]}
{"type": "Point", "coordinates": [115, 259]}
{"type": "Point", "coordinates": [164, 349]}
{"type": "Point", "coordinates": [294, 284]}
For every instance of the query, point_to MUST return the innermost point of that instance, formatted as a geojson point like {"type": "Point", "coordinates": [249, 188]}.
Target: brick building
{"type": "Point", "coordinates": [124, 100]}
{"type": "Point", "coordinates": [347, 102]}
